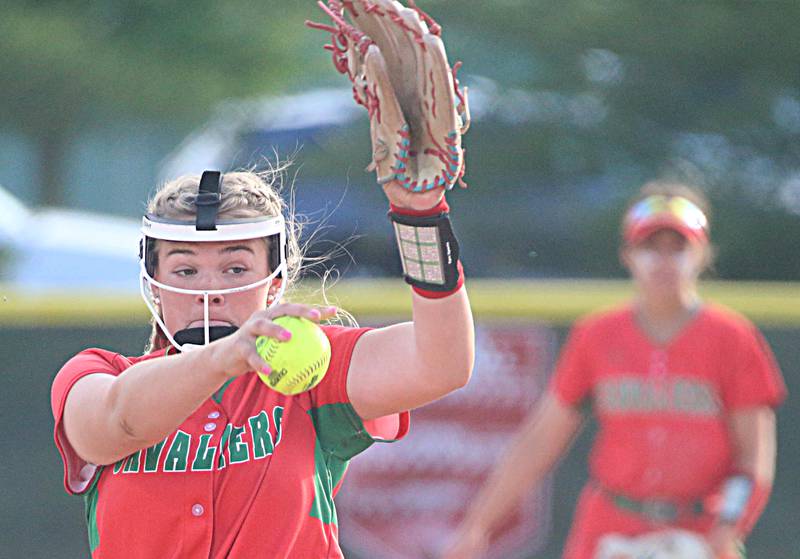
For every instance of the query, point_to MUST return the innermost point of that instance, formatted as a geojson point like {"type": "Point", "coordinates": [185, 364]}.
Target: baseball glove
{"type": "Point", "coordinates": [395, 59]}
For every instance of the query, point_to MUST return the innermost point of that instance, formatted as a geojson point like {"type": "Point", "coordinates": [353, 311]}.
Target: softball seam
{"type": "Point", "coordinates": [308, 371]}
{"type": "Point", "coordinates": [271, 348]}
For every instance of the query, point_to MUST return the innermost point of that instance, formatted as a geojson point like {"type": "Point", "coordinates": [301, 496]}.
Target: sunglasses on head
{"type": "Point", "coordinates": [675, 211]}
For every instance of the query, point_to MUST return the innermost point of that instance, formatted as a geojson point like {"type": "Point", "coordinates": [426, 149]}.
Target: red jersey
{"type": "Point", "coordinates": [661, 411]}
{"type": "Point", "coordinates": [251, 473]}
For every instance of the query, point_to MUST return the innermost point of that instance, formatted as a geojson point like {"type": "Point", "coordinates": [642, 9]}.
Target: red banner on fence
{"type": "Point", "coordinates": [404, 500]}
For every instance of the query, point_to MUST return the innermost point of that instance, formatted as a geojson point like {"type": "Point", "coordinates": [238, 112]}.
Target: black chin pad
{"type": "Point", "coordinates": [197, 336]}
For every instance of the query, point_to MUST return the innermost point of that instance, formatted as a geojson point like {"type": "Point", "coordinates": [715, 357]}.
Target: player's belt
{"type": "Point", "coordinates": [655, 510]}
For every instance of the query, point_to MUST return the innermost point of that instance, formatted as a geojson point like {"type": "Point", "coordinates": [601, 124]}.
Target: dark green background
{"type": "Point", "coordinates": [40, 520]}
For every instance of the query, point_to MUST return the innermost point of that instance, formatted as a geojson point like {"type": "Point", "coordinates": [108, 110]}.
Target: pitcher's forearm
{"type": "Point", "coordinates": [444, 336]}
{"type": "Point", "coordinates": [150, 399]}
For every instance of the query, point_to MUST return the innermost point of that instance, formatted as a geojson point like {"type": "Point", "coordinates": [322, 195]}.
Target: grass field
{"type": "Point", "coordinates": [556, 301]}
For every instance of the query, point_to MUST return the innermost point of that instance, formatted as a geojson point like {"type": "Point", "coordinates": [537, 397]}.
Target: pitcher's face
{"type": "Point", "coordinates": [211, 266]}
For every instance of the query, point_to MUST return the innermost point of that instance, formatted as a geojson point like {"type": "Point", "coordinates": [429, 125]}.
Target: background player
{"type": "Point", "coordinates": [683, 392]}
{"type": "Point", "coordinates": [184, 452]}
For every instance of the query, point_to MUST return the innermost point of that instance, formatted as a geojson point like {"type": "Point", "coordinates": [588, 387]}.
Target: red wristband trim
{"type": "Point", "coordinates": [439, 208]}
{"type": "Point", "coordinates": [441, 294]}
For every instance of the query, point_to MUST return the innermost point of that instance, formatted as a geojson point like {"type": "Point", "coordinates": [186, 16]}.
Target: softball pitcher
{"type": "Point", "coordinates": [684, 393]}
{"type": "Point", "coordinates": [184, 451]}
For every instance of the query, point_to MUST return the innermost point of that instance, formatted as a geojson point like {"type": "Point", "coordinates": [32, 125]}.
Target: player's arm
{"type": "Point", "coordinates": [395, 58]}
{"type": "Point", "coordinates": [745, 494]}
{"type": "Point", "coordinates": [407, 365]}
{"type": "Point", "coordinates": [108, 417]}
{"type": "Point", "coordinates": [542, 440]}
{"type": "Point", "coordinates": [755, 445]}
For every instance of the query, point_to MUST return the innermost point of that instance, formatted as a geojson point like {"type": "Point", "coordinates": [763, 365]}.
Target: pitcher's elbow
{"type": "Point", "coordinates": [460, 374]}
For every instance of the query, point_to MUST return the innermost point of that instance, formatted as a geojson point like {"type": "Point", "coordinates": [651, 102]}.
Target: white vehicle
{"type": "Point", "coordinates": [56, 248]}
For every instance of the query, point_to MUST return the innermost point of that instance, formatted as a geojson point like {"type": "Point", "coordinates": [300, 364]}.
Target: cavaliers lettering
{"type": "Point", "coordinates": [637, 394]}
{"type": "Point", "coordinates": [254, 440]}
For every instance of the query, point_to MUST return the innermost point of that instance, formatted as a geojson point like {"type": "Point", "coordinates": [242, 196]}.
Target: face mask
{"type": "Point", "coordinates": [206, 227]}
{"type": "Point", "coordinates": [270, 228]}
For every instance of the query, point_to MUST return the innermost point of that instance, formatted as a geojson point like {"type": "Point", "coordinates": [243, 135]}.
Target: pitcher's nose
{"type": "Point", "coordinates": [216, 299]}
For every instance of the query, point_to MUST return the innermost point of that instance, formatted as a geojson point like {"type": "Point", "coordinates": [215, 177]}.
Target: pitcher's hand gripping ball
{"type": "Point", "coordinates": [298, 364]}
{"type": "Point", "coordinates": [395, 59]}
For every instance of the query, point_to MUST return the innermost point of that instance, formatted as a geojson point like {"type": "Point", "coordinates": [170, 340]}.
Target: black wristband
{"type": "Point", "coordinates": [428, 250]}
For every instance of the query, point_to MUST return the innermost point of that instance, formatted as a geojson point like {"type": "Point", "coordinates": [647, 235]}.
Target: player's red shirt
{"type": "Point", "coordinates": [251, 473]}
{"type": "Point", "coordinates": [661, 411]}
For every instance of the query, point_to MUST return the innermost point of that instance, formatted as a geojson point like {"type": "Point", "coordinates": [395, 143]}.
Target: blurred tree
{"type": "Point", "coordinates": [705, 87]}
{"type": "Point", "coordinates": [66, 60]}
{"type": "Point", "coordinates": [583, 100]}
{"type": "Point", "coordinates": [597, 96]}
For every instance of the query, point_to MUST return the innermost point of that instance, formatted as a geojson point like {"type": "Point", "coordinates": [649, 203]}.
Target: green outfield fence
{"type": "Point", "coordinates": [39, 332]}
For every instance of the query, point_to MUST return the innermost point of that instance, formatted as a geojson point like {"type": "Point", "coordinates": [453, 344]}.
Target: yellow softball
{"type": "Point", "coordinates": [299, 364]}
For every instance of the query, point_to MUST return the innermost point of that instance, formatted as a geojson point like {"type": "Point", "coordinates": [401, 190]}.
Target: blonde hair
{"type": "Point", "coordinates": [243, 194]}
